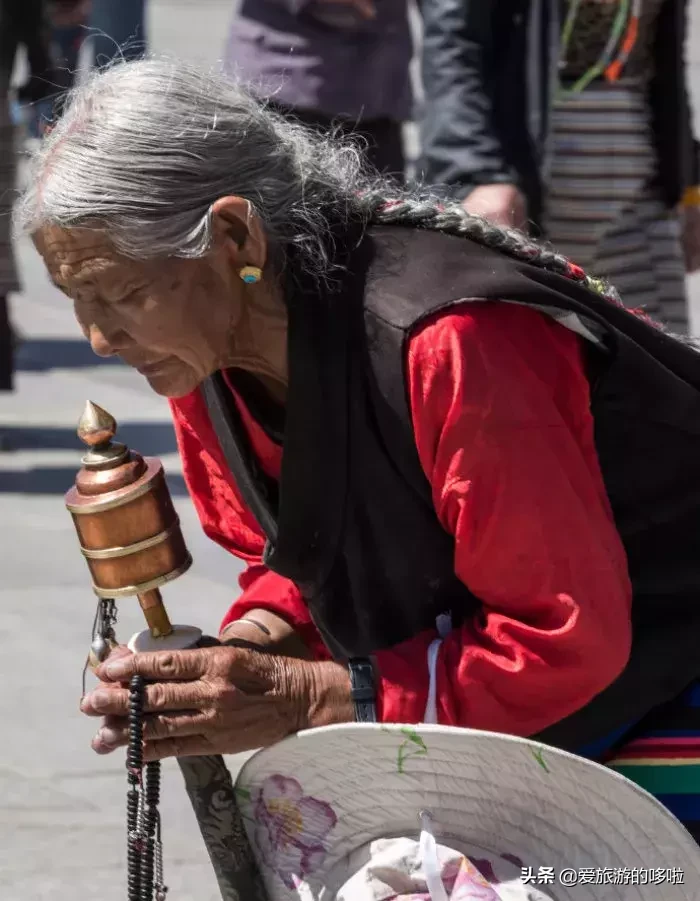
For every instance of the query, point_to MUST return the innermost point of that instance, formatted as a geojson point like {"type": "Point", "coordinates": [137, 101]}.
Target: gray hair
{"type": "Point", "coordinates": [144, 148]}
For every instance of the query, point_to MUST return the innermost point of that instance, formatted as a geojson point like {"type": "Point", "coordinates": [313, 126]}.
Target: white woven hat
{"type": "Point", "coordinates": [364, 812]}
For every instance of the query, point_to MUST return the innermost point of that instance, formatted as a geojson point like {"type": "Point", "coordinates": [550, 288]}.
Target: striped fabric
{"type": "Point", "coordinates": [602, 211]}
{"type": "Point", "coordinates": [662, 754]}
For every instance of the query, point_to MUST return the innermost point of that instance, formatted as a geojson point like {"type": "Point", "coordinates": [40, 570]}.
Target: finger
{"type": "Point", "coordinates": [103, 686]}
{"type": "Point", "coordinates": [114, 732]}
{"type": "Point", "coordinates": [366, 8]}
{"type": "Point", "coordinates": [158, 697]}
{"type": "Point", "coordinates": [100, 745]}
{"type": "Point", "coordinates": [118, 652]}
{"type": "Point", "coordinates": [110, 724]}
{"type": "Point", "coordinates": [187, 746]}
{"type": "Point", "coordinates": [102, 701]}
{"type": "Point", "coordinates": [155, 666]}
{"type": "Point", "coordinates": [114, 654]}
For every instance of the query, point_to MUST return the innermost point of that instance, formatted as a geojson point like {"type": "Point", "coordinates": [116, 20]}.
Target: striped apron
{"type": "Point", "coordinates": [662, 755]}
{"type": "Point", "coordinates": [603, 210]}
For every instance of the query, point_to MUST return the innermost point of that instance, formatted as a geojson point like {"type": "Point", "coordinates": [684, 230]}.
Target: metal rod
{"type": "Point", "coordinates": [156, 615]}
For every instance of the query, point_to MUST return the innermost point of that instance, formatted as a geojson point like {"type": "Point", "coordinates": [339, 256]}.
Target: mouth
{"type": "Point", "coordinates": [152, 368]}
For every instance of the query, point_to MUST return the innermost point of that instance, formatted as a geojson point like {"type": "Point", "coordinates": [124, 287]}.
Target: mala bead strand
{"type": "Point", "coordinates": [144, 852]}
{"type": "Point", "coordinates": [150, 821]}
{"type": "Point", "coordinates": [133, 869]}
{"type": "Point", "coordinates": [159, 885]}
{"type": "Point", "coordinates": [134, 798]}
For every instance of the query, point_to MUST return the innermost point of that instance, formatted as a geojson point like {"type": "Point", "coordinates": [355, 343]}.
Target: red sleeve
{"type": "Point", "coordinates": [226, 519]}
{"type": "Point", "coordinates": [500, 407]}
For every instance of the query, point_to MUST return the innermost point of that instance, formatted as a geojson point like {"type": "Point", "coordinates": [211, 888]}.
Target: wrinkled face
{"type": "Point", "coordinates": [174, 320]}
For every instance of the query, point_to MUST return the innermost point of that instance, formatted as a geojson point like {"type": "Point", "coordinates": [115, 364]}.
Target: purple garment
{"type": "Point", "coordinates": [319, 57]}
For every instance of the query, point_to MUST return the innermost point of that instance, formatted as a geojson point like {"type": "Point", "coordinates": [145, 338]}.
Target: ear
{"type": "Point", "coordinates": [239, 230]}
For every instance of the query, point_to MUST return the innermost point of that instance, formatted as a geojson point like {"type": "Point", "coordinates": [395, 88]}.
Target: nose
{"type": "Point", "coordinates": [99, 343]}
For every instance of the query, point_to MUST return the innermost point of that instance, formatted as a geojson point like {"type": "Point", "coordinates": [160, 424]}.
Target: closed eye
{"type": "Point", "coordinates": [133, 295]}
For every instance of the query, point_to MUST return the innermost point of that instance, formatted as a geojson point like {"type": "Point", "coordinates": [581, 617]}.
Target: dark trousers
{"type": "Point", "coordinates": [23, 22]}
{"type": "Point", "coordinates": [383, 137]}
{"type": "Point", "coordinates": [7, 349]}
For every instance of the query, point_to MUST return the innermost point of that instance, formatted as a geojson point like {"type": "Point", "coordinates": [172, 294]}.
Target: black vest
{"type": "Point", "coordinates": [353, 522]}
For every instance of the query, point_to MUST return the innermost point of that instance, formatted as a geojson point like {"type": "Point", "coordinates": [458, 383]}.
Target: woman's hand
{"type": "Point", "coordinates": [217, 700]}
{"type": "Point", "coordinates": [501, 204]}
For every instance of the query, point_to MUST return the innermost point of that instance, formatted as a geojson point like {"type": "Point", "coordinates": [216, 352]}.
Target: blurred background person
{"type": "Point", "coordinates": [68, 19]}
{"type": "Point", "coordinates": [117, 29]}
{"type": "Point", "coordinates": [8, 272]}
{"type": "Point", "coordinates": [22, 24]}
{"type": "Point", "coordinates": [333, 63]}
{"type": "Point", "coordinates": [572, 117]}
{"type": "Point", "coordinates": [113, 29]}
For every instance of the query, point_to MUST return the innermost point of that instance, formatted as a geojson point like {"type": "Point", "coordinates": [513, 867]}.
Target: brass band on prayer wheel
{"type": "Point", "coordinates": [109, 552]}
{"type": "Point", "coordinates": [139, 588]}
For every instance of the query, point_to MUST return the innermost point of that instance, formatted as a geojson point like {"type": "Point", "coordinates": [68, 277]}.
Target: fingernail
{"type": "Point", "coordinates": [96, 700]}
{"type": "Point", "coordinates": [108, 736]}
{"type": "Point", "coordinates": [99, 746]}
{"type": "Point", "coordinates": [110, 670]}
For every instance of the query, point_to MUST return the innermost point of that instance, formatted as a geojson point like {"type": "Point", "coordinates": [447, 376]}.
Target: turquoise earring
{"type": "Point", "coordinates": [250, 274]}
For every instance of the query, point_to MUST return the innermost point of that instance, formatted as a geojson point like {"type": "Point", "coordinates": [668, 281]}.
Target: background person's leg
{"type": "Point", "coordinates": [118, 30]}
{"type": "Point", "coordinates": [9, 39]}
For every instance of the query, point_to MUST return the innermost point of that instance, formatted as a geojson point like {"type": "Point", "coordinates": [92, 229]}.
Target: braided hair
{"type": "Point", "coordinates": [450, 217]}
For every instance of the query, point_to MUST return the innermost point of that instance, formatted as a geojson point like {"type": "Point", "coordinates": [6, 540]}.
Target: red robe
{"type": "Point", "coordinates": [500, 406]}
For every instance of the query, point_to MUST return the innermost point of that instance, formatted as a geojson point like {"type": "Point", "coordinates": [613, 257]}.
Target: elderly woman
{"type": "Point", "coordinates": [463, 476]}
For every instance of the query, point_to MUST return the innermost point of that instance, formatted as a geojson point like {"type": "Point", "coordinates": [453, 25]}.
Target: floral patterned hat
{"type": "Point", "coordinates": [364, 812]}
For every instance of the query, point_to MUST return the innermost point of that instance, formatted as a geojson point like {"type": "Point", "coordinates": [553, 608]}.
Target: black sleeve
{"type": "Point", "coordinates": [460, 147]}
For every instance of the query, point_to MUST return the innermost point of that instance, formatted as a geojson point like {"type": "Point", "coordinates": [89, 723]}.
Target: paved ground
{"type": "Point", "coordinates": [61, 817]}
{"type": "Point", "coordinates": [62, 809]}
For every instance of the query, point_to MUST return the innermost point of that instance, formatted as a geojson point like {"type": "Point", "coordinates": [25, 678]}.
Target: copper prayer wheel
{"type": "Point", "coordinates": [127, 526]}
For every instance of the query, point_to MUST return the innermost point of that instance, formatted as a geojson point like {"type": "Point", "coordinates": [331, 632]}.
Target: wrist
{"type": "Point", "coordinates": [268, 632]}
{"type": "Point", "coordinates": [327, 696]}
{"type": "Point", "coordinates": [243, 630]}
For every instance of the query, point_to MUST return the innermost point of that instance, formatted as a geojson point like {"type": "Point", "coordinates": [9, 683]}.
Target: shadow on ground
{"type": "Point", "coordinates": [151, 438]}
{"type": "Point", "coordinates": [57, 480]}
{"type": "Point", "coordinates": [44, 354]}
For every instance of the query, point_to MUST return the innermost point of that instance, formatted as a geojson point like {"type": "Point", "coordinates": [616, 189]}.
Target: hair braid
{"type": "Point", "coordinates": [451, 218]}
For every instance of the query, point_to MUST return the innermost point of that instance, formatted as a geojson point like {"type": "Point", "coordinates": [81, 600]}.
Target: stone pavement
{"type": "Point", "coordinates": [62, 809]}
{"type": "Point", "coordinates": [62, 833]}
{"type": "Point", "coordinates": [61, 819]}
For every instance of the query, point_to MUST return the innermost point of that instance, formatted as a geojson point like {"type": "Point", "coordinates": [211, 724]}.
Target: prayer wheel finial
{"type": "Point", "coordinates": [96, 429]}
{"type": "Point", "coordinates": [96, 426]}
